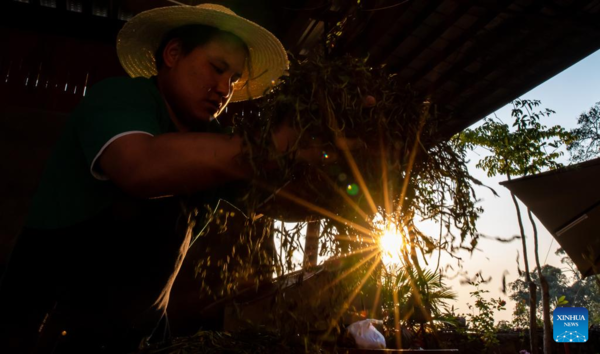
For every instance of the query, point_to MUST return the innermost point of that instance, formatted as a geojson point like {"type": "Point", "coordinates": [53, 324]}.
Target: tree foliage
{"type": "Point", "coordinates": [583, 292]}
{"type": "Point", "coordinates": [526, 148]}
{"type": "Point", "coordinates": [557, 280]}
{"type": "Point", "coordinates": [586, 142]}
{"type": "Point", "coordinates": [576, 291]}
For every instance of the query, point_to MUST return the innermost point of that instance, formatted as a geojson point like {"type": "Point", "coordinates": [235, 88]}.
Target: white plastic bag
{"type": "Point", "coordinates": [366, 336]}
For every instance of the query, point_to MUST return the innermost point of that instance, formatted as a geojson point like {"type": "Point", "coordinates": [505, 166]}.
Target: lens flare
{"type": "Point", "coordinates": [352, 189]}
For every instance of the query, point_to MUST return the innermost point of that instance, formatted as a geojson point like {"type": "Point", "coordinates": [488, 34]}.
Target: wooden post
{"type": "Point", "coordinates": [311, 245]}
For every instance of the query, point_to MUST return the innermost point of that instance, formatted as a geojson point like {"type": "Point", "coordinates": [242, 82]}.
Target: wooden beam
{"type": "Point", "coordinates": [504, 62]}
{"type": "Point", "coordinates": [426, 42]}
{"type": "Point", "coordinates": [311, 245]}
{"type": "Point", "coordinates": [519, 53]}
{"type": "Point", "coordinates": [59, 21]}
{"type": "Point", "coordinates": [87, 7]}
{"type": "Point", "coordinates": [455, 45]}
{"type": "Point", "coordinates": [401, 32]}
{"type": "Point", "coordinates": [509, 28]}
{"type": "Point", "coordinates": [363, 23]}
{"type": "Point", "coordinates": [61, 5]}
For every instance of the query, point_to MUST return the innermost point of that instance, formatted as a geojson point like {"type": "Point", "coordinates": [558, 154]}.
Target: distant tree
{"type": "Point", "coordinates": [586, 143]}
{"type": "Point", "coordinates": [558, 285]}
{"type": "Point", "coordinates": [576, 291]}
{"type": "Point", "coordinates": [521, 315]}
{"type": "Point", "coordinates": [582, 292]}
{"type": "Point", "coordinates": [521, 151]}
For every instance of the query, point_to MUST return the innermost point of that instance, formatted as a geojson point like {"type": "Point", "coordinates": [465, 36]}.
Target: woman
{"type": "Point", "coordinates": [94, 265]}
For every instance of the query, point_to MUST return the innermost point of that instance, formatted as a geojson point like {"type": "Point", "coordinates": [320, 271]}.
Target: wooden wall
{"type": "Point", "coordinates": [51, 72]}
{"type": "Point", "coordinates": [42, 78]}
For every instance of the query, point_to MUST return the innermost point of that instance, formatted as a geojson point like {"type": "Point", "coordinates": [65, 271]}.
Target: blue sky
{"type": "Point", "coordinates": [569, 93]}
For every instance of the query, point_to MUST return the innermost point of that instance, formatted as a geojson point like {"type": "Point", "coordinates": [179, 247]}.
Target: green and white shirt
{"type": "Point", "coordinates": [73, 189]}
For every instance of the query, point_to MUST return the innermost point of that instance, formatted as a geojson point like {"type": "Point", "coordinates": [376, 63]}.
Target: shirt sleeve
{"type": "Point", "coordinates": [114, 108]}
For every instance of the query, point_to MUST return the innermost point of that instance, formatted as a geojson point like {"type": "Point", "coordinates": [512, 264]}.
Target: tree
{"type": "Point", "coordinates": [558, 284]}
{"type": "Point", "coordinates": [586, 143]}
{"type": "Point", "coordinates": [576, 291]}
{"type": "Point", "coordinates": [582, 292]}
{"type": "Point", "coordinates": [521, 152]}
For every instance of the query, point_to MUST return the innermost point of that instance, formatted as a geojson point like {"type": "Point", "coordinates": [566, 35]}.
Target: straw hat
{"type": "Point", "coordinates": [140, 37]}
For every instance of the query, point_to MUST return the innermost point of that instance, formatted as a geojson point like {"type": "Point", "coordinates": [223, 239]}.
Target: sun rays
{"type": "Point", "coordinates": [384, 238]}
{"type": "Point", "coordinates": [379, 226]}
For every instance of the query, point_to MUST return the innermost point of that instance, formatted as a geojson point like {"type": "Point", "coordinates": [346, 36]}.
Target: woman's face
{"type": "Point", "coordinates": [198, 86]}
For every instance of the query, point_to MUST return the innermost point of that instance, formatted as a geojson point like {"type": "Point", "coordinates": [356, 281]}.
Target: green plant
{"type": "Point", "coordinates": [392, 161]}
{"type": "Point", "coordinates": [481, 318]}
{"type": "Point", "coordinates": [415, 302]}
{"type": "Point", "coordinates": [561, 301]}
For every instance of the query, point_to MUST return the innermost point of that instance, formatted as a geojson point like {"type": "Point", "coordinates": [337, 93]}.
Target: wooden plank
{"type": "Point", "coordinates": [311, 244]}
{"type": "Point", "coordinates": [49, 72]}
{"type": "Point", "coordinates": [400, 34]}
{"type": "Point", "coordinates": [459, 41]}
{"type": "Point", "coordinates": [430, 38]}
{"type": "Point", "coordinates": [58, 21]}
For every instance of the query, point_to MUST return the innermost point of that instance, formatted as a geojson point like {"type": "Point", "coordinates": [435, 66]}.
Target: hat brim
{"type": "Point", "coordinates": [140, 37]}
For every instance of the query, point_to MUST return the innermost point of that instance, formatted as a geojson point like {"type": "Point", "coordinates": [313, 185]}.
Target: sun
{"type": "Point", "coordinates": [390, 244]}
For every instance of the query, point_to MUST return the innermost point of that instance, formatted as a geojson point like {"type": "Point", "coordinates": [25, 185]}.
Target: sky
{"type": "Point", "coordinates": [570, 93]}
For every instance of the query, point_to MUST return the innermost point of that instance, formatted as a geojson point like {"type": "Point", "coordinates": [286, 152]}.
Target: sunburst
{"type": "Point", "coordinates": [391, 243]}
{"type": "Point", "coordinates": [385, 232]}
{"type": "Point", "coordinates": [385, 239]}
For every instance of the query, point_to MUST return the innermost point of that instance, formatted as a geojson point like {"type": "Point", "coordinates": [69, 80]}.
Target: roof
{"type": "Point", "coordinates": [575, 187]}
{"type": "Point", "coordinates": [469, 57]}
{"type": "Point", "coordinates": [567, 202]}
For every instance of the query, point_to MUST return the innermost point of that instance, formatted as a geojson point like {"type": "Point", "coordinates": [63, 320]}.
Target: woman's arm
{"type": "Point", "coordinates": [175, 163]}
{"type": "Point", "coordinates": [181, 163]}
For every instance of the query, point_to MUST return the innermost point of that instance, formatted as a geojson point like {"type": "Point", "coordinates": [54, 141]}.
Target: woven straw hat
{"type": "Point", "coordinates": [140, 37]}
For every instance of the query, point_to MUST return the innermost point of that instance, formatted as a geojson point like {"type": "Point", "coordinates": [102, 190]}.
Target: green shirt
{"type": "Point", "coordinates": [72, 190]}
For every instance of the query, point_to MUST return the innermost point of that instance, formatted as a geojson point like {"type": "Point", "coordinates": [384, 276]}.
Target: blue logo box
{"type": "Point", "coordinates": [570, 325]}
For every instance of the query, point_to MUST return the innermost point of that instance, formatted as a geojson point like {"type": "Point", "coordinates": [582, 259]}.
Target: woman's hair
{"type": "Point", "coordinates": [191, 36]}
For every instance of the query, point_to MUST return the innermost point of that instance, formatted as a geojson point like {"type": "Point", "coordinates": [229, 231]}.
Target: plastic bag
{"type": "Point", "coordinates": [366, 336]}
